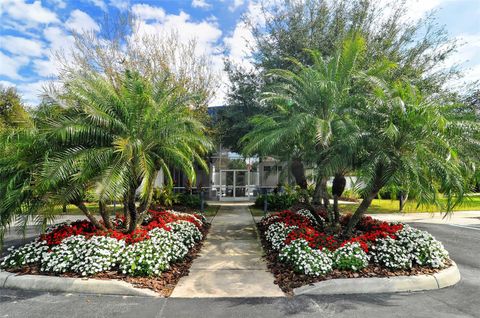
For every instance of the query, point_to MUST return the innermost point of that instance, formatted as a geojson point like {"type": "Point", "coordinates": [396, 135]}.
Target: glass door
{"type": "Point", "coordinates": [241, 184]}
{"type": "Point", "coordinates": [234, 184]}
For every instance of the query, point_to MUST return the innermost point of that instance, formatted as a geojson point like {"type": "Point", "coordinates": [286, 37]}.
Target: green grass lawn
{"type": "Point", "coordinates": [93, 207]}
{"type": "Point", "coordinates": [211, 210]}
{"type": "Point", "coordinates": [392, 206]}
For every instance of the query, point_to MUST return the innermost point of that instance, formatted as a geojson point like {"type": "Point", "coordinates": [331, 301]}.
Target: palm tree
{"type": "Point", "coordinates": [114, 140]}
{"type": "Point", "coordinates": [409, 137]}
{"type": "Point", "coordinates": [313, 102]}
{"type": "Point", "coordinates": [22, 155]}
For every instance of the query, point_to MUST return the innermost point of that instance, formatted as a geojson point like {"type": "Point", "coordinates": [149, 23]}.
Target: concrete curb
{"type": "Point", "coordinates": [444, 278]}
{"type": "Point", "coordinates": [71, 285]}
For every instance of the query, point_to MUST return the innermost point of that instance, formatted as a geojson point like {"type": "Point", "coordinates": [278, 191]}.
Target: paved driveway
{"type": "Point", "coordinates": [462, 300]}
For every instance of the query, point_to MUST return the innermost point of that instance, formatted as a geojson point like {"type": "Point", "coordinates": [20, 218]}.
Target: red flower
{"type": "Point", "coordinates": [84, 227]}
{"type": "Point", "coordinates": [370, 229]}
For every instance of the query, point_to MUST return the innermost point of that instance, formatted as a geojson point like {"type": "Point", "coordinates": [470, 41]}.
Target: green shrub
{"type": "Point", "coordinates": [164, 196]}
{"type": "Point", "coordinates": [192, 201]}
{"type": "Point", "coordinates": [277, 201]}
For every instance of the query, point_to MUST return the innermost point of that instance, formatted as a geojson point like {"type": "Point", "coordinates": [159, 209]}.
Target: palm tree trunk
{"type": "Point", "coordinates": [298, 172]}
{"type": "Point", "coordinates": [89, 215]}
{"type": "Point", "coordinates": [402, 201]}
{"type": "Point", "coordinates": [338, 186]}
{"type": "Point", "coordinates": [366, 202]}
{"type": "Point", "coordinates": [125, 212]}
{"type": "Point", "coordinates": [336, 212]}
{"type": "Point", "coordinates": [132, 211]}
{"type": "Point", "coordinates": [321, 192]}
{"type": "Point", "coordinates": [105, 215]}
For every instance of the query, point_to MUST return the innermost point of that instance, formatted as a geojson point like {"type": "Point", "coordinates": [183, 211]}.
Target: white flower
{"type": "Point", "coordinates": [277, 233]}
{"type": "Point", "coordinates": [186, 231]}
{"type": "Point", "coordinates": [306, 260]}
{"type": "Point", "coordinates": [350, 257]}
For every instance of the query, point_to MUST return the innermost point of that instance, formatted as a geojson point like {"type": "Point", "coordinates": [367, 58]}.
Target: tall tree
{"type": "Point", "coordinates": [233, 120]}
{"type": "Point", "coordinates": [313, 102]}
{"type": "Point", "coordinates": [12, 112]}
{"type": "Point", "coordinates": [415, 46]}
{"type": "Point", "coordinates": [112, 139]}
{"type": "Point", "coordinates": [408, 136]}
{"type": "Point", "coordinates": [287, 28]}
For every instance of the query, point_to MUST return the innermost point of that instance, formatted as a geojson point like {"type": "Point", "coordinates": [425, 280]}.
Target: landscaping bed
{"type": "Point", "coordinates": [154, 256]}
{"type": "Point", "coordinates": [300, 252]}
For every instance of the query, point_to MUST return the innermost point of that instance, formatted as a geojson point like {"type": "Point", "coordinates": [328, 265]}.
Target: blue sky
{"type": "Point", "coordinates": [31, 30]}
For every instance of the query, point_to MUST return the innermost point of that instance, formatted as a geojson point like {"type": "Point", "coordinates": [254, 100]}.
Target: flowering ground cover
{"type": "Point", "coordinates": [155, 255]}
{"type": "Point", "coordinates": [300, 251]}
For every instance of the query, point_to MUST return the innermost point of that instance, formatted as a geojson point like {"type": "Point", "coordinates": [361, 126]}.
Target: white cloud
{"type": "Point", "coordinates": [10, 66]}
{"type": "Point", "coordinates": [206, 33]}
{"type": "Point", "coordinates": [31, 92]}
{"type": "Point", "coordinates": [201, 4]}
{"type": "Point", "coordinates": [418, 8]}
{"type": "Point", "coordinates": [80, 21]}
{"type": "Point", "coordinates": [58, 3]}
{"type": "Point", "coordinates": [469, 49]}
{"type": "Point", "coordinates": [472, 74]}
{"type": "Point", "coordinates": [7, 84]}
{"type": "Point", "coordinates": [45, 68]}
{"type": "Point", "coordinates": [99, 3]}
{"type": "Point", "coordinates": [58, 39]}
{"type": "Point", "coordinates": [21, 46]}
{"type": "Point", "coordinates": [26, 14]}
{"type": "Point", "coordinates": [236, 4]}
{"type": "Point", "coordinates": [121, 5]}
{"type": "Point", "coordinates": [467, 58]}
{"type": "Point", "coordinates": [147, 12]}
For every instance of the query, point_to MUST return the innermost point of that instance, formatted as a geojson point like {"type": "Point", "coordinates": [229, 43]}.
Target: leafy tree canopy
{"type": "Point", "coordinates": [12, 112]}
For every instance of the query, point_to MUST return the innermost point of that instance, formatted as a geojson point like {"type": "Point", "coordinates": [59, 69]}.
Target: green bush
{"type": "Point", "coordinates": [192, 201]}
{"type": "Point", "coordinates": [164, 196]}
{"type": "Point", "coordinates": [277, 201]}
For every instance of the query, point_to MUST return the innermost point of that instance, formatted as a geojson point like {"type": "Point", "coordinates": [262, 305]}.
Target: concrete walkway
{"type": "Point", "coordinates": [230, 263]}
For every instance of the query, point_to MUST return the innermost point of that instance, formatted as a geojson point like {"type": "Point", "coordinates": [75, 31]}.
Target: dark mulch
{"type": "Point", "coordinates": [287, 279]}
{"type": "Point", "coordinates": [163, 284]}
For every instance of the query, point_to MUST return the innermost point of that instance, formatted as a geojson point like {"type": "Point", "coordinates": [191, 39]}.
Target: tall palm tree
{"type": "Point", "coordinates": [312, 103]}
{"type": "Point", "coordinates": [120, 138]}
{"type": "Point", "coordinates": [114, 140]}
{"type": "Point", "coordinates": [22, 155]}
{"type": "Point", "coordinates": [409, 137]}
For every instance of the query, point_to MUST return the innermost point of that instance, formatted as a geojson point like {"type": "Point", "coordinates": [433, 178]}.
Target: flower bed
{"type": "Point", "coordinates": [155, 255]}
{"type": "Point", "coordinates": [300, 252]}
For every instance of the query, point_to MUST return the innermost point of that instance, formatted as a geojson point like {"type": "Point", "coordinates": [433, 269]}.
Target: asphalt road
{"type": "Point", "coordinates": [462, 300]}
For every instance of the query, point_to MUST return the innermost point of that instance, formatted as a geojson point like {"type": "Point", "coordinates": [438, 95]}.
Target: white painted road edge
{"type": "Point", "coordinates": [444, 278]}
{"type": "Point", "coordinates": [72, 285]}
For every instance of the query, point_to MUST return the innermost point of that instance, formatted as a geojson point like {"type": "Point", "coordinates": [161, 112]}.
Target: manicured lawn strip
{"type": "Point", "coordinates": [211, 210]}
{"type": "Point", "coordinates": [392, 206]}
{"type": "Point", "coordinates": [92, 206]}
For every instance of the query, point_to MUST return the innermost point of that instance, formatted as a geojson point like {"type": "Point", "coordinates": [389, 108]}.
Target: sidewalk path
{"type": "Point", "coordinates": [230, 263]}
